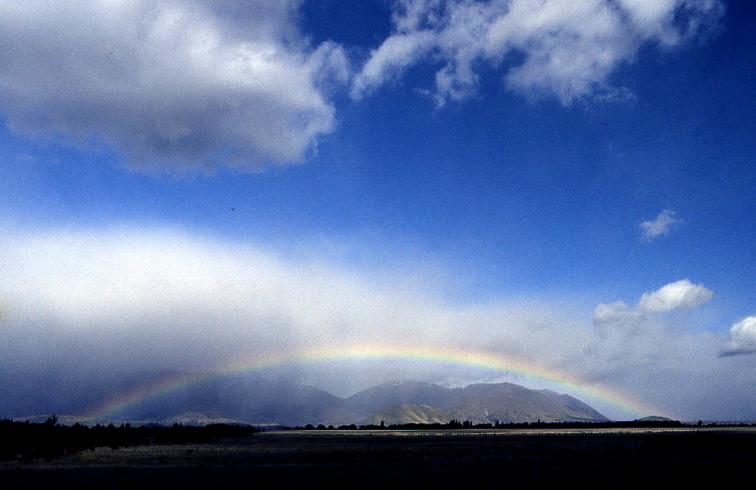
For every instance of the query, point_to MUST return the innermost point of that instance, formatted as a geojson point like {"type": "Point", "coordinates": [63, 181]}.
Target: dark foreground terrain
{"type": "Point", "coordinates": [628, 458]}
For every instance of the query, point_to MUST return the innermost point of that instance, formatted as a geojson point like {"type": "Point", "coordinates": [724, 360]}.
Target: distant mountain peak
{"type": "Point", "coordinates": [261, 401]}
{"type": "Point", "coordinates": [479, 402]}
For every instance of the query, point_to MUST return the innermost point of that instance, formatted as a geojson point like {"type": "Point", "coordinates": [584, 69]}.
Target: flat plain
{"type": "Point", "coordinates": [621, 458]}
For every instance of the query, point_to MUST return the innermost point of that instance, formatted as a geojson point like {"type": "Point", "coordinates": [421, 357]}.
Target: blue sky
{"type": "Point", "coordinates": [543, 165]}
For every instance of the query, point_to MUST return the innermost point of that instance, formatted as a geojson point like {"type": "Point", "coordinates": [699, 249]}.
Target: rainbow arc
{"type": "Point", "coordinates": [382, 352]}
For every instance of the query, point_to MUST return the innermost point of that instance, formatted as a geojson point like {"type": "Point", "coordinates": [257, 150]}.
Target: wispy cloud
{"type": "Point", "coordinates": [677, 295]}
{"type": "Point", "coordinates": [661, 225]}
{"type": "Point", "coordinates": [742, 338]}
{"type": "Point", "coordinates": [567, 50]}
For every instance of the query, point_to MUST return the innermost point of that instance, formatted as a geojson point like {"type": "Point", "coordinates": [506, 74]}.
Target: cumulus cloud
{"type": "Point", "coordinates": [174, 85]}
{"type": "Point", "coordinates": [677, 295]}
{"type": "Point", "coordinates": [659, 226]}
{"type": "Point", "coordinates": [184, 85]}
{"type": "Point", "coordinates": [673, 296]}
{"type": "Point", "coordinates": [567, 50]}
{"type": "Point", "coordinates": [742, 338]}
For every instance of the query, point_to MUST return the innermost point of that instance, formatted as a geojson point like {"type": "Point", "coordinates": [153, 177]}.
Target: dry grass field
{"type": "Point", "coordinates": [411, 459]}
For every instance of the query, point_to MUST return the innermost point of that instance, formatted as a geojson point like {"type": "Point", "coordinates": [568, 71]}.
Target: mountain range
{"type": "Point", "coordinates": [260, 401]}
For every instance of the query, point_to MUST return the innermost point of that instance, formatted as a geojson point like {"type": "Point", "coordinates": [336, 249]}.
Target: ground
{"type": "Point", "coordinates": [418, 459]}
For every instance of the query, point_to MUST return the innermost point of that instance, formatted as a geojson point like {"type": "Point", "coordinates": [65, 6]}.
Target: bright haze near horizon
{"type": "Point", "coordinates": [190, 184]}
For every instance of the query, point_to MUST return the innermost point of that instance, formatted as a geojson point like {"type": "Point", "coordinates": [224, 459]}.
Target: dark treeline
{"type": "Point", "coordinates": [25, 441]}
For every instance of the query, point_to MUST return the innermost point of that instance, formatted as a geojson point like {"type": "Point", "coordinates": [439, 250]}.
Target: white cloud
{"type": "Point", "coordinates": [677, 295]}
{"type": "Point", "coordinates": [607, 312]}
{"type": "Point", "coordinates": [674, 296]}
{"type": "Point", "coordinates": [659, 226]}
{"type": "Point", "coordinates": [566, 50]}
{"type": "Point", "coordinates": [185, 85]}
{"type": "Point", "coordinates": [124, 300]}
{"type": "Point", "coordinates": [396, 53]}
{"type": "Point", "coordinates": [195, 301]}
{"type": "Point", "coordinates": [175, 85]}
{"type": "Point", "coordinates": [742, 337]}
{"type": "Point", "coordinates": [119, 301]}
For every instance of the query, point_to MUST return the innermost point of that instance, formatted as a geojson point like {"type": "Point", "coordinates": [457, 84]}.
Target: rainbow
{"type": "Point", "coordinates": [382, 352]}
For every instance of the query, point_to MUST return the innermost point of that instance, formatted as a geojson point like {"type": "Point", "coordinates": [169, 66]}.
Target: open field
{"type": "Point", "coordinates": [617, 458]}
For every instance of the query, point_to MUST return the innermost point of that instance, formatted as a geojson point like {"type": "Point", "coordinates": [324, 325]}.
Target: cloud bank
{"type": "Point", "coordinates": [78, 306]}
{"type": "Point", "coordinates": [174, 85]}
{"type": "Point", "coordinates": [567, 50]}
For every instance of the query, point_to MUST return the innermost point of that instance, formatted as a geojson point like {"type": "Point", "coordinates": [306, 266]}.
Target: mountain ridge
{"type": "Point", "coordinates": [483, 402]}
{"type": "Point", "coordinates": [260, 401]}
